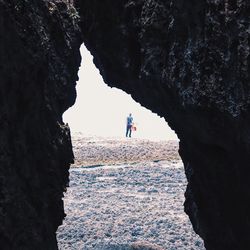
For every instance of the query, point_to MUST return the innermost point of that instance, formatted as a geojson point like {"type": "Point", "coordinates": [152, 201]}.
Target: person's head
{"type": "Point", "coordinates": [130, 114]}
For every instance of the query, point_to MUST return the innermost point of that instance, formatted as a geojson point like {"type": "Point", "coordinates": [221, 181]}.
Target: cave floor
{"type": "Point", "coordinates": [115, 206]}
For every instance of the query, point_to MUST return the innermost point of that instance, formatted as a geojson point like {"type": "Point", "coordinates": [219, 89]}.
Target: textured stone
{"type": "Point", "coordinates": [186, 60]}
{"type": "Point", "coordinates": [39, 59]}
{"type": "Point", "coordinates": [189, 62]}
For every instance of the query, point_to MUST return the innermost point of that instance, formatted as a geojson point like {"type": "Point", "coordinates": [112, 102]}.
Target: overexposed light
{"type": "Point", "coordinates": [100, 110]}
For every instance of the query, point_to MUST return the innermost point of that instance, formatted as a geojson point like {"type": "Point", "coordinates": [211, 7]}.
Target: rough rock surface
{"type": "Point", "coordinates": [117, 206]}
{"type": "Point", "coordinates": [112, 207]}
{"type": "Point", "coordinates": [186, 60]}
{"type": "Point", "coordinates": [98, 151]}
{"type": "Point", "coordinates": [189, 62]}
{"type": "Point", "coordinates": [39, 59]}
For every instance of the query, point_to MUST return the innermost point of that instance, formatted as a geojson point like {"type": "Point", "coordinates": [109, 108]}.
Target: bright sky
{"type": "Point", "coordinates": [101, 110]}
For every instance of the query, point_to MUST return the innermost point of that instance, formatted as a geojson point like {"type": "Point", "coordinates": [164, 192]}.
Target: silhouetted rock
{"type": "Point", "coordinates": [189, 62]}
{"type": "Point", "coordinates": [39, 59]}
{"type": "Point", "coordinates": [186, 60]}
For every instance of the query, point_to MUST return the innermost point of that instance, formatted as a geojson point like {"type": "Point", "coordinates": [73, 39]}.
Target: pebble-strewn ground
{"type": "Point", "coordinates": [125, 207]}
{"type": "Point", "coordinates": [99, 150]}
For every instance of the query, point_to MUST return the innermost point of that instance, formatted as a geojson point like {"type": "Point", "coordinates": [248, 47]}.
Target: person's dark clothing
{"type": "Point", "coordinates": [129, 126]}
{"type": "Point", "coordinates": [129, 130]}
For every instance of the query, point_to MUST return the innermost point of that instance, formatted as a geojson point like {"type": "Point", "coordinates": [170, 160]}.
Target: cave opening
{"type": "Point", "coordinates": [101, 110]}
{"type": "Point", "coordinates": [123, 192]}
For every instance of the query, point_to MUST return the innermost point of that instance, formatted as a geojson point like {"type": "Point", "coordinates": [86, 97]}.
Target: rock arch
{"type": "Point", "coordinates": [189, 62]}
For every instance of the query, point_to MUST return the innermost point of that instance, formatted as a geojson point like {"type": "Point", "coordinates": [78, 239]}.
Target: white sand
{"type": "Point", "coordinates": [126, 206]}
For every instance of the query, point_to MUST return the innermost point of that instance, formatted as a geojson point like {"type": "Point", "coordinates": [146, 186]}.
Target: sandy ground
{"type": "Point", "coordinates": [91, 151]}
{"type": "Point", "coordinates": [134, 202]}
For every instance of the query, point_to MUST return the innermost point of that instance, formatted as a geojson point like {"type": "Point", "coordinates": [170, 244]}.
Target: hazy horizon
{"type": "Point", "coordinates": [101, 110]}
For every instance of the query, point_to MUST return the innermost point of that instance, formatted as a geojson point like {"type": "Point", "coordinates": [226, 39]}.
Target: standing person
{"type": "Point", "coordinates": [129, 125]}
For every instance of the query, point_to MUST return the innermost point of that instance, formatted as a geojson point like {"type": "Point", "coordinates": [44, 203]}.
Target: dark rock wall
{"type": "Point", "coordinates": [39, 59]}
{"type": "Point", "coordinates": [186, 60]}
{"type": "Point", "coordinates": [189, 62]}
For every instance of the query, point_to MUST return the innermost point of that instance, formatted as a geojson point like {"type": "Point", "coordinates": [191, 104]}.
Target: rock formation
{"type": "Point", "coordinates": [188, 61]}
{"type": "Point", "coordinates": [39, 59]}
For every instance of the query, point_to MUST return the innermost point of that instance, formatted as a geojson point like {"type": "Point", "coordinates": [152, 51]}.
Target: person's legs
{"type": "Point", "coordinates": [127, 131]}
{"type": "Point", "coordinates": [130, 130]}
